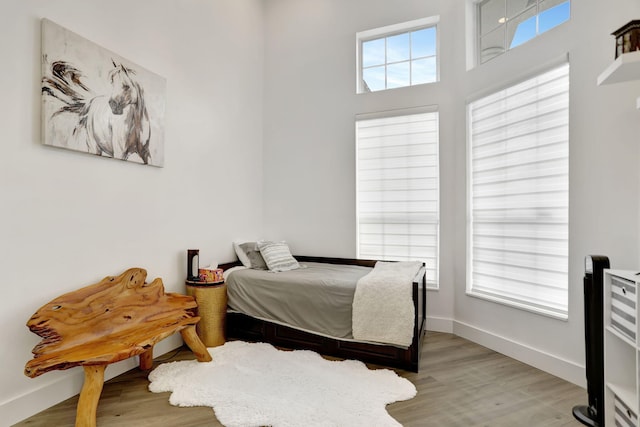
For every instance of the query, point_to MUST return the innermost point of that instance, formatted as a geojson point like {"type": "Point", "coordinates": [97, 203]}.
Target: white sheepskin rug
{"type": "Point", "coordinates": [255, 384]}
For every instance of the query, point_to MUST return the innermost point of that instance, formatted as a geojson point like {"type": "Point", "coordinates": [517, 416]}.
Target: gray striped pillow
{"type": "Point", "coordinates": [277, 256]}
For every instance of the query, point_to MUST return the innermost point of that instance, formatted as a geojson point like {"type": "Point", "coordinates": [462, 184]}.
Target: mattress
{"type": "Point", "coordinates": [316, 298]}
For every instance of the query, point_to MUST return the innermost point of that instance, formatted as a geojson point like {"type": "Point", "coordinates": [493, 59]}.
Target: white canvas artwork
{"type": "Point", "coordinates": [97, 102]}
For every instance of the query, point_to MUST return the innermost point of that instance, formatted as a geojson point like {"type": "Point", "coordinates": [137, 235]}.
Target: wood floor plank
{"type": "Point", "coordinates": [460, 384]}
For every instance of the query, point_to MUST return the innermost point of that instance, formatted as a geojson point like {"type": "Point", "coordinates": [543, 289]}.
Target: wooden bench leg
{"type": "Point", "coordinates": [146, 359]}
{"type": "Point", "coordinates": [89, 396]}
{"type": "Point", "coordinates": [192, 340]}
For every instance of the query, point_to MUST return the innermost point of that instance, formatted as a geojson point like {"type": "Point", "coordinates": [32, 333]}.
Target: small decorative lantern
{"type": "Point", "coordinates": [193, 264]}
{"type": "Point", "coordinates": [627, 38]}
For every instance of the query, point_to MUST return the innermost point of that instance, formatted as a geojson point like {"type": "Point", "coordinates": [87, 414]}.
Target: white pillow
{"type": "Point", "coordinates": [249, 255]}
{"type": "Point", "coordinates": [242, 256]}
{"type": "Point", "coordinates": [277, 256]}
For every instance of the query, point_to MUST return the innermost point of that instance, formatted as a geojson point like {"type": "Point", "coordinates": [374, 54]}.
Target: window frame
{"type": "Point", "coordinates": [389, 31]}
{"type": "Point", "coordinates": [505, 300]}
{"type": "Point", "coordinates": [431, 284]}
{"type": "Point", "coordinates": [477, 4]}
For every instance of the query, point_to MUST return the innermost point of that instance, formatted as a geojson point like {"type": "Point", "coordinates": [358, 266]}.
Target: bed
{"type": "Point", "coordinates": [252, 317]}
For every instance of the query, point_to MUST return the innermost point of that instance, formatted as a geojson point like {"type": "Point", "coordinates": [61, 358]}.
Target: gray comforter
{"type": "Point", "coordinates": [317, 298]}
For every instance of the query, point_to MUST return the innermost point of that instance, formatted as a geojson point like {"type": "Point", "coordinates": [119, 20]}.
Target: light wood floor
{"type": "Point", "coordinates": [460, 384]}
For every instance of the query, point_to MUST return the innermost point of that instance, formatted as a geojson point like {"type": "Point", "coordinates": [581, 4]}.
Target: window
{"type": "Point", "coordinates": [398, 56]}
{"type": "Point", "coordinates": [519, 194]}
{"type": "Point", "coordinates": [505, 24]}
{"type": "Point", "coordinates": [397, 188]}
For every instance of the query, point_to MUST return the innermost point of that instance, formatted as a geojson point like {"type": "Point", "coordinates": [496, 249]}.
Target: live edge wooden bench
{"type": "Point", "coordinates": [109, 321]}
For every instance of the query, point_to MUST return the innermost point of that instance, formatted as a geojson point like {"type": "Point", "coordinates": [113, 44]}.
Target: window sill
{"type": "Point", "coordinates": [520, 306]}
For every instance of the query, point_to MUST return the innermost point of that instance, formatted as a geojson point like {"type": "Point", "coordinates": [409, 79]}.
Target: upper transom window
{"type": "Point", "coordinates": [398, 55]}
{"type": "Point", "coordinates": [505, 24]}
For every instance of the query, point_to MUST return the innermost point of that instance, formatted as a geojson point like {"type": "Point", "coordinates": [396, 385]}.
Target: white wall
{"type": "Point", "coordinates": [70, 219]}
{"type": "Point", "coordinates": [310, 104]}
{"type": "Point", "coordinates": [604, 129]}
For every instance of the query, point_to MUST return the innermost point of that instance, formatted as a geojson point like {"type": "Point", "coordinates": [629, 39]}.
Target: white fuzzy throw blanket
{"type": "Point", "coordinates": [383, 308]}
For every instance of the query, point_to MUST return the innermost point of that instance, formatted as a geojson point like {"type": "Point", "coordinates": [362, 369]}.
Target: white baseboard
{"type": "Point", "coordinates": [67, 386]}
{"type": "Point", "coordinates": [567, 370]}
{"type": "Point", "coordinates": [439, 324]}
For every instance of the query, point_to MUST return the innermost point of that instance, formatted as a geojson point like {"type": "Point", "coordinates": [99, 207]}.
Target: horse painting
{"type": "Point", "coordinates": [97, 102]}
{"type": "Point", "coordinates": [114, 124]}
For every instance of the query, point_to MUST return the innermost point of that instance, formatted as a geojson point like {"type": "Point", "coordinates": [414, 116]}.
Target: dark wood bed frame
{"type": "Point", "coordinates": [242, 326]}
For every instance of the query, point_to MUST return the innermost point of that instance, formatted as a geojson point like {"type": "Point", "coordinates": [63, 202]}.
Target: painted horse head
{"type": "Point", "coordinates": [124, 90]}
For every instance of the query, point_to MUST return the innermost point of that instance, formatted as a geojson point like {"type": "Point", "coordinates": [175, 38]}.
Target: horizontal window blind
{"type": "Point", "coordinates": [519, 194]}
{"type": "Point", "coordinates": [397, 189]}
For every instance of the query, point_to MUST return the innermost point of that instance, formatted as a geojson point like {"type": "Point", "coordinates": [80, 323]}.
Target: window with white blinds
{"type": "Point", "coordinates": [397, 189]}
{"type": "Point", "coordinates": [519, 194]}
